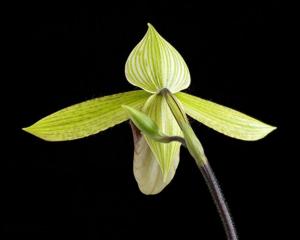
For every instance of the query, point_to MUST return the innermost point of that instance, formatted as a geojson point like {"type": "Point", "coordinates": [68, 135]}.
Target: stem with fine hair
{"type": "Point", "coordinates": [196, 150]}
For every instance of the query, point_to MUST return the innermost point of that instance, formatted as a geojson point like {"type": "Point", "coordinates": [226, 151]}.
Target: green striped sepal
{"type": "Point", "coordinates": [154, 64]}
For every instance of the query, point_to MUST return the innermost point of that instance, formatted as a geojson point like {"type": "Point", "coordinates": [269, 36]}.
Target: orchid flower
{"type": "Point", "coordinates": [158, 112]}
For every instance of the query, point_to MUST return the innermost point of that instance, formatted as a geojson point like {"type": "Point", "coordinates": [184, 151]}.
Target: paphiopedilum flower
{"type": "Point", "coordinates": [154, 65]}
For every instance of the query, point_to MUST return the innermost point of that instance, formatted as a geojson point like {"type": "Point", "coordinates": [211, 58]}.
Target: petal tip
{"type": "Point", "coordinates": [31, 130]}
{"type": "Point", "coordinates": [34, 131]}
{"type": "Point", "coordinates": [28, 129]}
{"type": "Point", "coordinates": [271, 128]}
{"type": "Point", "coordinates": [260, 135]}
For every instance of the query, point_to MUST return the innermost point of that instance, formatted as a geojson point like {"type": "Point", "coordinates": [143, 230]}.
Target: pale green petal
{"type": "Point", "coordinates": [146, 169]}
{"type": "Point", "coordinates": [154, 64]}
{"type": "Point", "coordinates": [87, 118]}
{"type": "Point", "coordinates": [157, 109]}
{"type": "Point", "coordinates": [223, 119]}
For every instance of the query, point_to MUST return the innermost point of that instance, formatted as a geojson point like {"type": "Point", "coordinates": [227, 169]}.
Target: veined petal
{"type": "Point", "coordinates": [223, 119]}
{"type": "Point", "coordinates": [146, 169]}
{"type": "Point", "coordinates": [87, 118]}
{"type": "Point", "coordinates": [158, 110]}
{"type": "Point", "coordinates": [155, 64]}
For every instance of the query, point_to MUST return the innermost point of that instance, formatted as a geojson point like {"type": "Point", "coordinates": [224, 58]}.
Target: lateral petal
{"type": "Point", "coordinates": [223, 119]}
{"type": "Point", "coordinates": [87, 118]}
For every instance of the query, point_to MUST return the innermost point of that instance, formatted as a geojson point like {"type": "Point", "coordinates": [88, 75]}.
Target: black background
{"type": "Point", "coordinates": [85, 189]}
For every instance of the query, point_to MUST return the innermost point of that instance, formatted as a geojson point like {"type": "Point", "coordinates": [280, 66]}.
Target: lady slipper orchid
{"type": "Point", "coordinates": [153, 65]}
{"type": "Point", "coordinates": [158, 111]}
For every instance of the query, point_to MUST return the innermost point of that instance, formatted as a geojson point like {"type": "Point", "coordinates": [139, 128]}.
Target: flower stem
{"type": "Point", "coordinates": [219, 200]}
{"type": "Point", "coordinates": [196, 150]}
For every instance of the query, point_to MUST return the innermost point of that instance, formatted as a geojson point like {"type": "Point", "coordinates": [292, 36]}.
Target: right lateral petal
{"type": "Point", "coordinates": [223, 119]}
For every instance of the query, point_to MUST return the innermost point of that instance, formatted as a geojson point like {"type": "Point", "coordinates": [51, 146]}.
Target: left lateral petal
{"type": "Point", "coordinates": [158, 110]}
{"type": "Point", "coordinates": [87, 118]}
